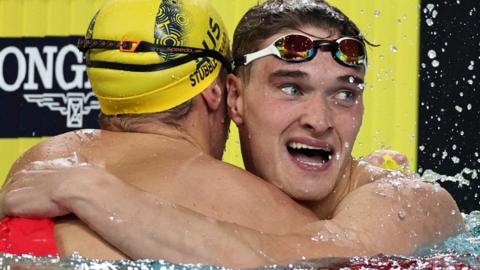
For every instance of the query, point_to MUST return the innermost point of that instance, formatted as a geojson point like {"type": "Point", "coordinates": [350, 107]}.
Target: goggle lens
{"type": "Point", "coordinates": [350, 51]}
{"type": "Point", "coordinates": [295, 48]}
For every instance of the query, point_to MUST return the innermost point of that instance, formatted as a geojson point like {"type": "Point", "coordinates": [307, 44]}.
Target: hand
{"type": "Point", "coordinates": [43, 189]}
{"type": "Point", "coordinates": [388, 159]}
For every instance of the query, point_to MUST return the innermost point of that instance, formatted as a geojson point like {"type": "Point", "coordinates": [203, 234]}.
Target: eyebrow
{"type": "Point", "coordinates": [288, 73]}
{"type": "Point", "coordinates": [300, 74]}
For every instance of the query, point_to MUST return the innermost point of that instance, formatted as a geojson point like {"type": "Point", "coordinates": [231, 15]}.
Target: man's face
{"type": "Point", "coordinates": [298, 121]}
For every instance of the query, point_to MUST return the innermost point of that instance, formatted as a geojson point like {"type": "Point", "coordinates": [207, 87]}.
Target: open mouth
{"type": "Point", "coordinates": [310, 155]}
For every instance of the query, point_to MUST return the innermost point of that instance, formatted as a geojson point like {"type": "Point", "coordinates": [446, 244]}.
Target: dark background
{"type": "Point", "coordinates": [19, 118]}
{"type": "Point", "coordinates": [449, 112]}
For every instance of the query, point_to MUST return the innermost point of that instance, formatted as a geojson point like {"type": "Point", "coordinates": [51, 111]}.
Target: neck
{"type": "Point", "coordinates": [193, 128]}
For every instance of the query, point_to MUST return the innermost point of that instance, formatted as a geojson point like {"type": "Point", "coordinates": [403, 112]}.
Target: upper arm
{"type": "Point", "coordinates": [398, 216]}
{"type": "Point", "coordinates": [382, 217]}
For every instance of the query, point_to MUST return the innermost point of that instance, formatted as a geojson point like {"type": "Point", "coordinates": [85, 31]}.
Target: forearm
{"type": "Point", "coordinates": [143, 226]}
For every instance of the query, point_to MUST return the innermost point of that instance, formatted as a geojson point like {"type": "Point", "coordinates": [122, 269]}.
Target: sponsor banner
{"type": "Point", "coordinates": [44, 89]}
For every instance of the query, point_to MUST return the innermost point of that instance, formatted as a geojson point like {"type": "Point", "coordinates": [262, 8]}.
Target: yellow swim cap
{"type": "Point", "coordinates": [147, 56]}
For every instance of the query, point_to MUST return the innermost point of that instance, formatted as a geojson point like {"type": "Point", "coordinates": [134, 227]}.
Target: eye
{"type": "Point", "coordinates": [345, 95]}
{"type": "Point", "coordinates": [346, 98]}
{"type": "Point", "coordinates": [290, 89]}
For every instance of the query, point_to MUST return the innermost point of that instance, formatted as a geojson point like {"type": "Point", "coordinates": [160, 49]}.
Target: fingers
{"type": "Point", "coordinates": [389, 159]}
{"type": "Point", "coordinates": [29, 194]}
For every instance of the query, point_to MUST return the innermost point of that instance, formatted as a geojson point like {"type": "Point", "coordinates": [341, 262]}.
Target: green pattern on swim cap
{"type": "Point", "coordinates": [89, 34]}
{"type": "Point", "coordinates": [170, 24]}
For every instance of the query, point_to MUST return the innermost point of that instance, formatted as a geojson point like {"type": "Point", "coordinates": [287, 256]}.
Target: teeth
{"type": "Point", "coordinates": [297, 145]}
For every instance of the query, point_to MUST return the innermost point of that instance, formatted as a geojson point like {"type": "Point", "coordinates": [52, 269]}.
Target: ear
{"type": "Point", "coordinates": [235, 99]}
{"type": "Point", "coordinates": [213, 96]}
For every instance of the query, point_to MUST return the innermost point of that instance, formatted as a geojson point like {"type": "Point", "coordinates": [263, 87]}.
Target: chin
{"type": "Point", "coordinates": [309, 194]}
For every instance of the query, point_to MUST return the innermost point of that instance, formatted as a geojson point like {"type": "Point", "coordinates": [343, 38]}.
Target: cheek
{"type": "Point", "coordinates": [349, 123]}
{"type": "Point", "coordinates": [275, 116]}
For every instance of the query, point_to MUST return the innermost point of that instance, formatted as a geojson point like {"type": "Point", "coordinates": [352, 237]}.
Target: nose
{"type": "Point", "coordinates": [317, 116]}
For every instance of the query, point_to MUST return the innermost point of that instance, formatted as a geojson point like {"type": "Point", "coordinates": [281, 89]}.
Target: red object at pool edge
{"type": "Point", "coordinates": [27, 236]}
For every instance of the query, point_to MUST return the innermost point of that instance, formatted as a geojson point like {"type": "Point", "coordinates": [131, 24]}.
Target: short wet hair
{"type": "Point", "coordinates": [266, 19]}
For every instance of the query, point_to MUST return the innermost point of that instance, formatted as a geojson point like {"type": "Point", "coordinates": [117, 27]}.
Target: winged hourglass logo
{"type": "Point", "coordinates": [72, 105]}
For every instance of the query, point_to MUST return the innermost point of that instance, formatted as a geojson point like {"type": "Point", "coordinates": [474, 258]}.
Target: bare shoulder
{"type": "Point", "coordinates": [408, 213]}
{"type": "Point", "coordinates": [60, 146]}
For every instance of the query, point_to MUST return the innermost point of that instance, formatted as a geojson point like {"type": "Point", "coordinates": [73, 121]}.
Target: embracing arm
{"type": "Point", "coordinates": [391, 216]}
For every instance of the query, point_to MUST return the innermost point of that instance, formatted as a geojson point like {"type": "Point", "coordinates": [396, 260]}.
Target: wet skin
{"type": "Point", "coordinates": [283, 109]}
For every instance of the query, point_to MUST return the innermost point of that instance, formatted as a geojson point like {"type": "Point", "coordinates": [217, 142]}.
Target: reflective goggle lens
{"type": "Point", "coordinates": [296, 48]}
{"type": "Point", "coordinates": [350, 51]}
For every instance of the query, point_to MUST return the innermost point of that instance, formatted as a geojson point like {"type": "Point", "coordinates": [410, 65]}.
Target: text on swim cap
{"type": "Point", "coordinates": [205, 66]}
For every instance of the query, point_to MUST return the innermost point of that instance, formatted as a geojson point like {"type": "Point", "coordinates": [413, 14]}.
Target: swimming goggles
{"type": "Point", "coordinates": [135, 46]}
{"type": "Point", "coordinates": [347, 51]}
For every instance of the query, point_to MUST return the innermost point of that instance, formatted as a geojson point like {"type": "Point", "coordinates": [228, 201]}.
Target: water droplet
{"type": "Point", "coordinates": [430, 7]}
{"type": "Point", "coordinates": [421, 147]}
{"type": "Point", "coordinates": [458, 108]}
{"type": "Point", "coordinates": [470, 82]}
{"type": "Point", "coordinates": [470, 67]}
{"type": "Point", "coordinates": [393, 48]}
{"type": "Point", "coordinates": [401, 214]}
{"type": "Point", "coordinates": [455, 160]}
{"type": "Point", "coordinates": [432, 54]}
{"type": "Point", "coordinates": [469, 107]}
{"type": "Point", "coordinates": [429, 22]}
{"type": "Point", "coordinates": [376, 13]}
{"type": "Point", "coordinates": [435, 63]}
{"type": "Point", "coordinates": [453, 212]}
{"type": "Point", "coordinates": [436, 187]}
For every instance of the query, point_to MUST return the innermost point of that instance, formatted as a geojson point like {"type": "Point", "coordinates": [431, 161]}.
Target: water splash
{"type": "Point", "coordinates": [74, 160]}
{"type": "Point", "coordinates": [9, 261]}
{"type": "Point", "coordinates": [460, 178]}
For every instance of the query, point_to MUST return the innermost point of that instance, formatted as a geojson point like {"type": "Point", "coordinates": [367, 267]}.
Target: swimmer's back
{"type": "Point", "coordinates": [175, 170]}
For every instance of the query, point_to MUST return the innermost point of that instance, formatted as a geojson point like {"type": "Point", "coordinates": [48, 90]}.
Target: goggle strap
{"type": "Point", "coordinates": [129, 45]}
{"type": "Point", "coordinates": [270, 50]}
{"type": "Point", "coordinates": [157, 67]}
{"type": "Point", "coordinates": [143, 46]}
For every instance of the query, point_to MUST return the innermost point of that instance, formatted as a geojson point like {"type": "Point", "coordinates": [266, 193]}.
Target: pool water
{"type": "Point", "coordinates": [459, 252]}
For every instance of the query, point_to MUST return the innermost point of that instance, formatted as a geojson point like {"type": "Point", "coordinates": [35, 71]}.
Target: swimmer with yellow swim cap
{"type": "Point", "coordinates": [151, 56]}
{"type": "Point", "coordinates": [158, 69]}
{"type": "Point", "coordinates": [298, 122]}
